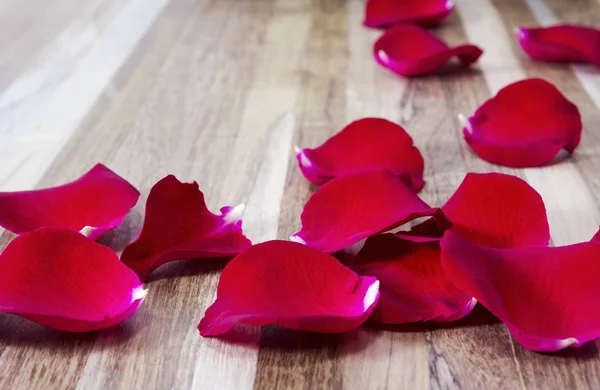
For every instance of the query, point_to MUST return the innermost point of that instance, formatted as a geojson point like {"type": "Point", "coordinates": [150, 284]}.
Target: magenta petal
{"type": "Point", "coordinates": [293, 286]}
{"type": "Point", "coordinates": [353, 207]}
{"type": "Point", "coordinates": [63, 280]}
{"type": "Point", "coordinates": [427, 13]}
{"type": "Point", "coordinates": [364, 145]}
{"type": "Point", "coordinates": [410, 50]}
{"type": "Point", "coordinates": [547, 296]}
{"type": "Point", "coordinates": [413, 286]}
{"type": "Point", "coordinates": [93, 204]}
{"type": "Point", "coordinates": [498, 210]}
{"type": "Point", "coordinates": [525, 125]}
{"type": "Point", "coordinates": [561, 43]}
{"type": "Point", "coordinates": [178, 226]}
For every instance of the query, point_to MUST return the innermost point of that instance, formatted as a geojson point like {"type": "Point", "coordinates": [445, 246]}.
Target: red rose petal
{"type": "Point", "coordinates": [178, 226]}
{"type": "Point", "coordinates": [427, 13]}
{"type": "Point", "coordinates": [349, 208]}
{"type": "Point", "coordinates": [547, 297]}
{"type": "Point", "coordinates": [93, 204]}
{"type": "Point", "coordinates": [410, 50]}
{"type": "Point", "coordinates": [63, 280]}
{"type": "Point", "coordinates": [524, 125]}
{"type": "Point", "coordinates": [561, 43]}
{"type": "Point", "coordinates": [363, 145]}
{"type": "Point", "coordinates": [293, 286]}
{"type": "Point", "coordinates": [414, 286]}
{"type": "Point", "coordinates": [498, 210]}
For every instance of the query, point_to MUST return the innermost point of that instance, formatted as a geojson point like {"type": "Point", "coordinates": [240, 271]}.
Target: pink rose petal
{"type": "Point", "coordinates": [293, 286]}
{"type": "Point", "coordinates": [414, 286]}
{"type": "Point", "coordinates": [561, 43]}
{"type": "Point", "coordinates": [427, 13]}
{"type": "Point", "coordinates": [178, 226]}
{"type": "Point", "coordinates": [498, 210]}
{"type": "Point", "coordinates": [410, 50]}
{"type": "Point", "coordinates": [353, 207]}
{"type": "Point", "coordinates": [546, 296]}
{"type": "Point", "coordinates": [93, 204]}
{"type": "Point", "coordinates": [364, 145]}
{"type": "Point", "coordinates": [525, 125]}
{"type": "Point", "coordinates": [63, 280]}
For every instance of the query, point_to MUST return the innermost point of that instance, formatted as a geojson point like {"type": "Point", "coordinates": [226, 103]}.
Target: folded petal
{"type": "Point", "coordinates": [179, 226]}
{"type": "Point", "coordinates": [413, 285]}
{"type": "Point", "coordinates": [93, 204]}
{"type": "Point", "coordinates": [526, 124]}
{"type": "Point", "coordinates": [63, 280]}
{"type": "Point", "coordinates": [561, 43]}
{"type": "Point", "coordinates": [293, 286]}
{"type": "Point", "coordinates": [364, 145]}
{"type": "Point", "coordinates": [353, 207]}
{"type": "Point", "coordinates": [426, 13]}
{"type": "Point", "coordinates": [498, 210]}
{"type": "Point", "coordinates": [547, 296]}
{"type": "Point", "coordinates": [410, 50]}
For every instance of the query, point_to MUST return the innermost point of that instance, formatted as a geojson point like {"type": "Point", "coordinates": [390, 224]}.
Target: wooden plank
{"type": "Point", "coordinates": [320, 63]}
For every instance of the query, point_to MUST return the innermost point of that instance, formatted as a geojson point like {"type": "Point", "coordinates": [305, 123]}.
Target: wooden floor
{"type": "Point", "coordinates": [219, 91]}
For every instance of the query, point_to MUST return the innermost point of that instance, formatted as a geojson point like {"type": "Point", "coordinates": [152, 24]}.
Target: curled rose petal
{"type": "Point", "coordinates": [363, 145]}
{"type": "Point", "coordinates": [178, 226]}
{"type": "Point", "coordinates": [410, 50]}
{"type": "Point", "coordinates": [498, 210]}
{"type": "Point", "coordinates": [526, 124]}
{"type": "Point", "coordinates": [561, 43]}
{"type": "Point", "coordinates": [93, 204]}
{"type": "Point", "coordinates": [293, 286]}
{"type": "Point", "coordinates": [547, 297]}
{"type": "Point", "coordinates": [413, 286]}
{"type": "Point", "coordinates": [352, 207]}
{"type": "Point", "coordinates": [63, 280]}
{"type": "Point", "coordinates": [426, 13]}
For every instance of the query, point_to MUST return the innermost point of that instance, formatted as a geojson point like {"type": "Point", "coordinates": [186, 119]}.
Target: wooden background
{"type": "Point", "coordinates": [219, 91]}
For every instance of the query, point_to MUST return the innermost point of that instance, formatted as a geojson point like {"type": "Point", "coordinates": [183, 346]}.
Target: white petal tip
{"type": "Point", "coordinates": [298, 240]}
{"type": "Point", "coordinates": [565, 343]}
{"type": "Point", "coordinates": [465, 123]}
{"type": "Point", "coordinates": [371, 295]}
{"type": "Point", "coordinates": [304, 161]}
{"type": "Point", "coordinates": [297, 150]}
{"type": "Point", "coordinates": [87, 231]}
{"type": "Point", "coordinates": [235, 214]}
{"type": "Point", "coordinates": [138, 293]}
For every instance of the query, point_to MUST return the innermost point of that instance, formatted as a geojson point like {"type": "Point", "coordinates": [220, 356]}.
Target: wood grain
{"type": "Point", "coordinates": [220, 91]}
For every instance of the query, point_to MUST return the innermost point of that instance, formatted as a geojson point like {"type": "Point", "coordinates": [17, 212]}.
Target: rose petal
{"type": "Point", "coordinates": [498, 210]}
{"type": "Point", "coordinates": [414, 286]}
{"type": "Point", "coordinates": [427, 13]}
{"type": "Point", "coordinates": [410, 50]}
{"type": "Point", "coordinates": [524, 125]}
{"type": "Point", "coordinates": [352, 207]}
{"type": "Point", "coordinates": [561, 43]}
{"type": "Point", "coordinates": [178, 226]}
{"type": "Point", "coordinates": [596, 236]}
{"type": "Point", "coordinates": [93, 204]}
{"type": "Point", "coordinates": [293, 286]}
{"type": "Point", "coordinates": [547, 297]}
{"type": "Point", "coordinates": [363, 145]}
{"type": "Point", "coordinates": [63, 280]}
{"type": "Point", "coordinates": [428, 231]}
